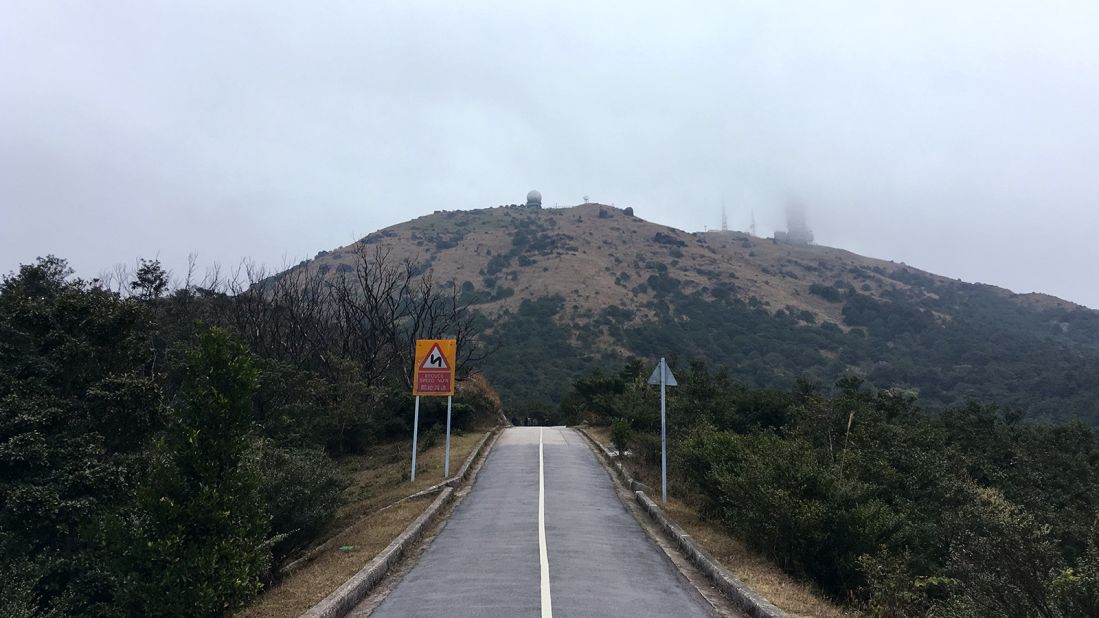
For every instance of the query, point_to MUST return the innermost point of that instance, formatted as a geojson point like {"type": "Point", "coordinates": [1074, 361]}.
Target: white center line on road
{"type": "Point", "coordinates": [543, 555]}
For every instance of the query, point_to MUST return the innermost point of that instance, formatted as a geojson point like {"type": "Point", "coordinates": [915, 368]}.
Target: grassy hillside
{"type": "Point", "coordinates": [566, 290]}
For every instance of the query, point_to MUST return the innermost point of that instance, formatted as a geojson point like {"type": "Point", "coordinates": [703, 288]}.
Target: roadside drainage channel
{"type": "Point", "coordinates": [748, 600]}
{"type": "Point", "coordinates": [355, 589]}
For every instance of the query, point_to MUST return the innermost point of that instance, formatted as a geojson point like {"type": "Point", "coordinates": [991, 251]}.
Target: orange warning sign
{"type": "Point", "coordinates": [435, 360]}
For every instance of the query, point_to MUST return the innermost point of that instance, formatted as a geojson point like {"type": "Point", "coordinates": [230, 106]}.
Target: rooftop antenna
{"type": "Point", "coordinates": [753, 222]}
{"type": "Point", "coordinates": [724, 219]}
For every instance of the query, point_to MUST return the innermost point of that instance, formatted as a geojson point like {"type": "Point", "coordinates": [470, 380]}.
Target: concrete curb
{"type": "Point", "coordinates": [748, 600]}
{"type": "Point", "coordinates": [463, 472]}
{"type": "Point", "coordinates": [354, 590]}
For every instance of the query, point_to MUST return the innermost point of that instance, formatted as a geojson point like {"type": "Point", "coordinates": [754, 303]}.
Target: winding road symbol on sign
{"type": "Point", "coordinates": [435, 360]}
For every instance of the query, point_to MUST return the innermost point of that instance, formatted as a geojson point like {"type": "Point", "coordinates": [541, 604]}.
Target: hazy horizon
{"type": "Point", "coordinates": [961, 140]}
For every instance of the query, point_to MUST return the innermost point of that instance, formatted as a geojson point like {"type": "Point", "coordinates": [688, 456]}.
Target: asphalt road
{"type": "Point", "coordinates": [581, 554]}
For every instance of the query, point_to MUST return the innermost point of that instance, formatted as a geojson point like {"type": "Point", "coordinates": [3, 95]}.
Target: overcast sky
{"type": "Point", "coordinates": [958, 137]}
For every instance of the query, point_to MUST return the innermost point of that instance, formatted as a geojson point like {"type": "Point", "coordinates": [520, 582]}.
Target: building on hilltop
{"type": "Point", "coordinates": [534, 199]}
{"type": "Point", "coordinates": [797, 230]}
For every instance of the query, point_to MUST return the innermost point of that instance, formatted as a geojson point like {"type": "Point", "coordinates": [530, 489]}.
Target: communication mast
{"type": "Point", "coordinates": [724, 219]}
{"type": "Point", "coordinates": [753, 222]}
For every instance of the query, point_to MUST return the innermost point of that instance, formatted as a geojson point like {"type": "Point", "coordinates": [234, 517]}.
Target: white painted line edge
{"type": "Point", "coordinates": [543, 555]}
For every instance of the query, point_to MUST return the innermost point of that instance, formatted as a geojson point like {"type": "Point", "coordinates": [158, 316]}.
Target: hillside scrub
{"type": "Point", "coordinates": [992, 352]}
{"type": "Point", "coordinates": [568, 290]}
{"type": "Point", "coordinates": [989, 349]}
{"type": "Point", "coordinates": [964, 513]}
{"type": "Point", "coordinates": [165, 451]}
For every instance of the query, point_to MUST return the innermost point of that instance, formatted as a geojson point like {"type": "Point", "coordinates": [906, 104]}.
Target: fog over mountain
{"type": "Point", "coordinates": [959, 138]}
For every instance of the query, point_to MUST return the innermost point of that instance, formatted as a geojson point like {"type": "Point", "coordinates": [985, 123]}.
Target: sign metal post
{"type": "Point", "coordinates": [415, 429]}
{"type": "Point", "coordinates": [446, 460]}
{"type": "Point", "coordinates": [663, 376]}
{"type": "Point", "coordinates": [663, 433]}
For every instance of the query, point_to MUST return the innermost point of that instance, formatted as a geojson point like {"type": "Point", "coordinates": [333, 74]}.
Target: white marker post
{"type": "Point", "coordinates": [664, 379]}
{"type": "Point", "coordinates": [446, 459]}
{"type": "Point", "coordinates": [415, 428]}
{"type": "Point", "coordinates": [663, 432]}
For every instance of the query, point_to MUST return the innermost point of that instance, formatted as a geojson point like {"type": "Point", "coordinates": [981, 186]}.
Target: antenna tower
{"type": "Point", "coordinates": [724, 219]}
{"type": "Point", "coordinates": [753, 222]}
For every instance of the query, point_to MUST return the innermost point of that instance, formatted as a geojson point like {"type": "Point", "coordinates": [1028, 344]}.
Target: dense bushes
{"type": "Point", "coordinates": [302, 490]}
{"type": "Point", "coordinates": [964, 513]}
{"type": "Point", "coordinates": [75, 408]}
{"type": "Point", "coordinates": [199, 523]}
{"type": "Point", "coordinates": [827, 292]}
{"type": "Point", "coordinates": [775, 492]}
{"type": "Point", "coordinates": [151, 464]}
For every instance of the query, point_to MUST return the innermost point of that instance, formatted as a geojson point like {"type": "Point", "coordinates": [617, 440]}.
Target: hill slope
{"type": "Point", "coordinates": [564, 290]}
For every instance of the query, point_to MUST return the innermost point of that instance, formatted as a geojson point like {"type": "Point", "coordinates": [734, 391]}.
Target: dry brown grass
{"type": "Point", "coordinates": [601, 433]}
{"type": "Point", "coordinates": [309, 585]}
{"type": "Point", "coordinates": [380, 477]}
{"type": "Point", "coordinates": [594, 251]}
{"type": "Point", "coordinates": [795, 597]}
{"type": "Point", "coordinates": [377, 479]}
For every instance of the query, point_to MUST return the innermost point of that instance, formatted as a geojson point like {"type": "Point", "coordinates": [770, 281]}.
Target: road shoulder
{"type": "Point", "coordinates": [695, 577]}
{"type": "Point", "coordinates": [400, 568]}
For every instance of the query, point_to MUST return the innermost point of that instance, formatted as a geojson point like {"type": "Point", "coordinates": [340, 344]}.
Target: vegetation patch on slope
{"type": "Point", "coordinates": [881, 505]}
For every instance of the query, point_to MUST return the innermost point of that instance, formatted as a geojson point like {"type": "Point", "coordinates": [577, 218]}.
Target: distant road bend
{"type": "Point", "coordinates": [542, 533]}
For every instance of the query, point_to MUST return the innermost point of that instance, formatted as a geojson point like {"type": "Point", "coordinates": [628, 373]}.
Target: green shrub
{"type": "Point", "coordinates": [196, 544]}
{"type": "Point", "coordinates": [1005, 561]}
{"type": "Point", "coordinates": [620, 434]}
{"type": "Point", "coordinates": [826, 292]}
{"type": "Point", "coordinates": [76, 408]}
{"type": "Point", "coordinates": [1075, 591]}
{"type": "Point", "coordinates": [429, 437]}
{"type": "Point", "coordinates": [18, 577]}
{"type": "Point", "coordinates": [776, 493]}
{"type": "Point", "coordinates": [349, 424]}
{"type": "Point", "coordinates": [302, 488]}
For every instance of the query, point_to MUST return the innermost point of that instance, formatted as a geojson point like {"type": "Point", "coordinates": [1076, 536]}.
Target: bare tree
{"type": "Point", "coordinates": [386, 305]}
{"type": "Point", "coordinates": [369, 312]}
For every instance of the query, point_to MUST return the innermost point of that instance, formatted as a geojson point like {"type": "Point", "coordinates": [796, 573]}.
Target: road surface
{"type": "Point", "coordinates": [543, 533]}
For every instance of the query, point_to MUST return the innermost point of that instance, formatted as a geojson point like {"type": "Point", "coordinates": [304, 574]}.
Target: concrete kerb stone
{"type": "Point", "coordinates": [355, 589]}
{"type": "Point", "coordinates": [464, 470]}
{"type": "Point", "coordinates": [750, 601]}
